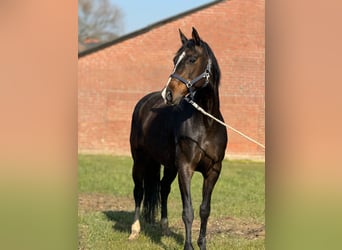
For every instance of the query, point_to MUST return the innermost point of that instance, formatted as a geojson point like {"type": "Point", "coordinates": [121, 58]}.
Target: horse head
{"type": "Point", "coordinates": [192, 69]}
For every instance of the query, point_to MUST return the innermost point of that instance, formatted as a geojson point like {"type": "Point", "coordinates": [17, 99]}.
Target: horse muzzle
{"type": "Point", "coordinates": [170, 97]}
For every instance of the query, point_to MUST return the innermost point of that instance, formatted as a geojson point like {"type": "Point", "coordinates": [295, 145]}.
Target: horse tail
{"type": "Point", "coordinates": [151, 202]}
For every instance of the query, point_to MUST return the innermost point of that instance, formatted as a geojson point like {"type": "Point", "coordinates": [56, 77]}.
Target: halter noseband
{"type": "Point", "coordinates": [190, 83]}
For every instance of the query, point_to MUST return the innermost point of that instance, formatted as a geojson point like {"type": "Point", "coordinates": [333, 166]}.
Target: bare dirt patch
{"type": "Point", "coordinates": [223, 226]}
{"type": "Point", "coordinates": [103, 202]}
{"type": "Point", "coordinates": [234, 226]}
{"type": "Point", "coordinates": [227, 226]}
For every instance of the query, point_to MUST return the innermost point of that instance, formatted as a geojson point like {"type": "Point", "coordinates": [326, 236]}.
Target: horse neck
{"type": "Point", "coordinates": [208, 99]}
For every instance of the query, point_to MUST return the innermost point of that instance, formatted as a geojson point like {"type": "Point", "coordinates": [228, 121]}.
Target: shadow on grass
{"type": "Point", "coordinates": [123, 221]}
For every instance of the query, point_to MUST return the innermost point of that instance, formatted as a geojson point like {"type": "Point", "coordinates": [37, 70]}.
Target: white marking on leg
{"type": "Point", "coordinates": [135, 230]}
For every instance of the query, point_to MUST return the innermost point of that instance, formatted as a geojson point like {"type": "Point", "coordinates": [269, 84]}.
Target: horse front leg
{"type": "Point", "coordinates": [208, 186]}
{"type": "Point", "coordinates": [184, 179]}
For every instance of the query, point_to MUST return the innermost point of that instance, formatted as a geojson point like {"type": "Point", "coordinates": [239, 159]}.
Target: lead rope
{"type": "Point", "coordinates": [221, 122]}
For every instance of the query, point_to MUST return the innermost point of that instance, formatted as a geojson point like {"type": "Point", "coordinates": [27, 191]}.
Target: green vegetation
{"type": "Point", "coordinates": [106, 207]}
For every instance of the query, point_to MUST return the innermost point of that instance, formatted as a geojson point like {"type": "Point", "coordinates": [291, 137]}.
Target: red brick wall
{"type": "Point", "coordinates": [113, 79]}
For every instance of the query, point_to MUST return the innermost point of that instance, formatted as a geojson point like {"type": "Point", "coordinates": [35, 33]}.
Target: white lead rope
{"type": "Point", "coordinates": [221, 122]}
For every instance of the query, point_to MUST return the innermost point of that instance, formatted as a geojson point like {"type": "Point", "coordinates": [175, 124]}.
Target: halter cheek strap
{"type": "Point", "coordinates": [190, 83]}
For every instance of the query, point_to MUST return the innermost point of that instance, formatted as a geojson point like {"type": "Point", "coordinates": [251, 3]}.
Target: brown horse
{"type": "Point", "coordinates": [166, 130]}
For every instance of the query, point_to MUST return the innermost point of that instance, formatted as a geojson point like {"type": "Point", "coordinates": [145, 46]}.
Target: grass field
{"type": "Point", "coordinates": [106, 206]}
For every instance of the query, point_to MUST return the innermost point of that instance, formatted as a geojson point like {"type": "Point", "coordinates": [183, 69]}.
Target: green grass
{"type": "Point", "coordinates": [106, 212]}
{"type": "Point", "coordinates": [105, 174]}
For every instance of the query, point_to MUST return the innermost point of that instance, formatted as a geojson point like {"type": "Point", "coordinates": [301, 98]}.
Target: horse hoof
{"type": "Point", "coordinates": [166, 232]}
{"type": "Point", "coordinates": [165, 227]}
{"type": "Point", "coordinates": [133, 236]}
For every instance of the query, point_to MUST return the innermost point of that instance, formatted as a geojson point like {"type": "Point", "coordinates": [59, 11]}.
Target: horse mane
{"type": "Point", "coordinates": [216, 73]}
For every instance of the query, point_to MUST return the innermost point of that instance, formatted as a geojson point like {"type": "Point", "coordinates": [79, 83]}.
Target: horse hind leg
{"type": "Point", "coordinates": [170, 174]}
{"type": "Point", "coordinates": [208, 186]}
{"type": "Point", "coordinates": [138, 192]}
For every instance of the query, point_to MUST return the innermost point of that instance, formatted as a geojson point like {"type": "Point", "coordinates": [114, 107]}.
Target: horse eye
{"type": "Point", "coordinates": [192, 59]}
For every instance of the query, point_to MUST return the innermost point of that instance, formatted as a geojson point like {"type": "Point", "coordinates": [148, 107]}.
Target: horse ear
{"type": "Point", "coordinates": [195, 36]}
{"type": "Point", "coordinates": [182, 37]}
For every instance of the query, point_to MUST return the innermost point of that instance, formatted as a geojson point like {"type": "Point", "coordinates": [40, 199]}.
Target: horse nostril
{"type": "Point", "coordinates": [168, 95]}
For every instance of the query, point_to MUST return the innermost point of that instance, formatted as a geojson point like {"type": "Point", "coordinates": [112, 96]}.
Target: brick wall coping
{"type": "Point", "coordinates": [146, 29]}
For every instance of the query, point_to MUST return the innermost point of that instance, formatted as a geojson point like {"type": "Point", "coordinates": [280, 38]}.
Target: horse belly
{"type": "Point", "coordinates": [160, 145]}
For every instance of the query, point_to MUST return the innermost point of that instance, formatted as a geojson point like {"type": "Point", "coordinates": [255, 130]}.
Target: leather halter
{"type": "Point", "coordinates": [190, 83]}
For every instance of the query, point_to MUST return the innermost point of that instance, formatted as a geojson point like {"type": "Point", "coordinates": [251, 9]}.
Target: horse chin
{"type": "Point", "coordinates": [177, 100]}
